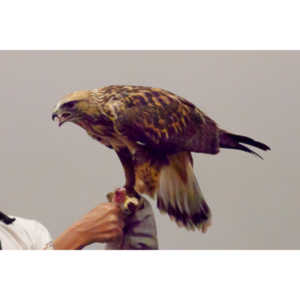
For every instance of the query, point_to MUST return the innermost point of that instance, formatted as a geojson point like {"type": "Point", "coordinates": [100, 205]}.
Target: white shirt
{"type": "Point", "coordinates": [23, 234]}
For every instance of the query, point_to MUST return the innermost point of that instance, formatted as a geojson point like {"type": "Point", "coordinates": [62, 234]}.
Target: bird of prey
{"type": "Point", "coordinates": [153, 132]}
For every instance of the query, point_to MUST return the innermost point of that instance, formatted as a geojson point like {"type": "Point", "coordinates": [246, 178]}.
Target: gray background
{"type": "Point", "coordinates": [55, 175]}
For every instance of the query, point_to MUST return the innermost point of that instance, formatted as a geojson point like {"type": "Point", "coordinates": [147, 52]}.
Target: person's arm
{"type": "Point", "coordinates": [101, 225]}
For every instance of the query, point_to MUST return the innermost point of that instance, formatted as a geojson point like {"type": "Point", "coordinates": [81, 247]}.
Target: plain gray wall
{"type": "Point", "coordinates": [55, 175]}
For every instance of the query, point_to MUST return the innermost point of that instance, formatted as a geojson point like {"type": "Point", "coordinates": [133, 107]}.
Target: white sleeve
{"type": "Point", "coordinates": [24, 234]}
{"type": "Point", "coordinates": [39, 234]}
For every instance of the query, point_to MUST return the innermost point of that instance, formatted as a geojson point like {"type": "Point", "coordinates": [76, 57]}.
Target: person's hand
{"type": "Point", "coordinates": [102, 224]}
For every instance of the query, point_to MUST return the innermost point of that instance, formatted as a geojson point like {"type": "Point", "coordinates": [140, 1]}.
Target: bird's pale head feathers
{"type": "Point", "coordinates": [71, 107]}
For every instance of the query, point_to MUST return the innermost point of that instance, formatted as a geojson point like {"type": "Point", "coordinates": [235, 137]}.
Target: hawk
{"type": "Point", "coordinates": [153, 132]}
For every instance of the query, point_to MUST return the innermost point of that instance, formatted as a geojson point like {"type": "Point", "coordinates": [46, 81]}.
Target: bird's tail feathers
{"type": "Point", "coordinates": [179, 194]}
{"type": "Point", "coordinates": [234, 141]}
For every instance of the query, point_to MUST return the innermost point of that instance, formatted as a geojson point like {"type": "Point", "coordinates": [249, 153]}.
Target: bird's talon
{"type": "Point", "coordinates": [131, 204]}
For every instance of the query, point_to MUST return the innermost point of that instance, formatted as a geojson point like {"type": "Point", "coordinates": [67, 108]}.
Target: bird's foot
{"type": "Point", "coordinates": [129, 202]}
{"type": "Point", "coordinates": [133, 200]}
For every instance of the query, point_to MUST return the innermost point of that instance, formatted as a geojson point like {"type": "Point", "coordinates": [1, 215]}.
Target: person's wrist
{"type": "Point", "coordinates": [73, 238]}
{"type": "Point", "coordinates": [80, 234]}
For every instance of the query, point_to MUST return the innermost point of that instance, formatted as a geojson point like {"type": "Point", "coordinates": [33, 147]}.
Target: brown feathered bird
{"type": "Point", "coordinates": [153, 132]}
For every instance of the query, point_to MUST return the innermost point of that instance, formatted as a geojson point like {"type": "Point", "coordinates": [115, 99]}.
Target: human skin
{"type": "Point", "coordinates": [102, 224]}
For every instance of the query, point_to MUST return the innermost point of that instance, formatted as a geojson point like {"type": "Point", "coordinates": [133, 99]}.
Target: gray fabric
{"type": "Point", "coordinates": [139, 232]}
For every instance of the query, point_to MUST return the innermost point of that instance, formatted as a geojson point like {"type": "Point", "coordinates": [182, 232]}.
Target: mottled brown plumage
{"type": "Point", "coordinates": [153, 132]}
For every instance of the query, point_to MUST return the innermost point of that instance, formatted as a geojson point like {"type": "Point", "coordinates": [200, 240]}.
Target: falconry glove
{"type": "Point", "coordinates": [140, 228]}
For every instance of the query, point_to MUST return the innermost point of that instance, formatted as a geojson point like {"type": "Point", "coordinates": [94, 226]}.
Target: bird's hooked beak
{"type": "Point", "coordinates": [61, 116]}
{"type": "Point", "coordinates": [66, 109]}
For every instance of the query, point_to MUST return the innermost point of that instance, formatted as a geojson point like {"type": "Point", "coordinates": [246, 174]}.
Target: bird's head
{"type": "Point", "coordinates": [72, 107]}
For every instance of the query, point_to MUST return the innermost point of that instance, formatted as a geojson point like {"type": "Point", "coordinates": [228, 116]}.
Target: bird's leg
{"type": "Point", "coordinates": [133, 198]}
{"type": "Point", "coordinates": [127, 163]}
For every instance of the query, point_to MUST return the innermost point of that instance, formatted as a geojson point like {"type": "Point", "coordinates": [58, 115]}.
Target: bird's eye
{"type": "Point", "coordinates": [69, 104]}
{"type": "Point", "coordinates": [66, 115]}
